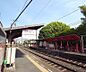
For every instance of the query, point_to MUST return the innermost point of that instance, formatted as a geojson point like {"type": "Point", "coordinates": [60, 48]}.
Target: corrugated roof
{"type": "Point", "coordinates": [35, 27]}
{"type": "Point", "coordinates": [17, 31]}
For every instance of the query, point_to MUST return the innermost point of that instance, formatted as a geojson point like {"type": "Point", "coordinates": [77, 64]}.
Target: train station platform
{"type": "Point", "coordinates": [22, 64]}
{"type": "Point", "coordinates": [28, 62]}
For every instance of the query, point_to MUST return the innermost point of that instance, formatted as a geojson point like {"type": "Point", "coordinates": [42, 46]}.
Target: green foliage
{"type": "Point", "coordinates": [83, 10]}
{"type": "Point", "coordinates": [81, 29]}
{"type": "Point", "coordinates": [68, 32]}
{"type": "Point", "coordinates": [53, 29]}
{"type": "Point", "coordinates": [83, 7]}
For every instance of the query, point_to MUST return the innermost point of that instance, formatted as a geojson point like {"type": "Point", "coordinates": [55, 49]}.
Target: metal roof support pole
{"type": "Point", "coordinates": [77, 50]}
{"type": "Point", "coordinates": [61, 46]}
{"type": "Point", "coordinates": [67, 46]}
{"type": "Point", "coordinates": [36, 34]}
{"type": "Point", "coordinates": [82, 43]}
{"type": "Point", "coordinates": [56, 45]}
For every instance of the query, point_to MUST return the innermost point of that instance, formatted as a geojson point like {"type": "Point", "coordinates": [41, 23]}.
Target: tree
{"type": "Point", "coordinates": [53, 29]}
{"type": "Point", "coordinates": [81, 29]}
{"type": "Point", "coordinates": [83, 10]}
{"type": "Point", "coordinates": [68, 32]}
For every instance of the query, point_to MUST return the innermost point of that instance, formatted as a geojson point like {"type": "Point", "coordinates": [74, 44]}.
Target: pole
{"type": "Point", "coordinates": [21, 13]}
{"type": "Point", "coordinates": [36, 34]}
{"type": "Point", "coordinates": [82, 43]}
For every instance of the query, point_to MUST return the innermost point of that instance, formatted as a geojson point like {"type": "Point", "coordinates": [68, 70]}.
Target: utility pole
{"type": "Point", "coordinates": [21, 13]}
{"type": "Point", "coordinates": [11, 34]}
{"type": "Point", "coordinates": [17, 19]}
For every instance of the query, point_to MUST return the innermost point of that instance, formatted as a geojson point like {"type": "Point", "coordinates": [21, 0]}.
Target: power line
{"type": "Point", "coordinates": [75, 23]}
{"type": "Point", "coordinates": [68, 14]}
{"type": "Point", "coordinates": [21, 13]}
{"type": "Point", "coordinates": [58, 18]}
{"type": "Point", "coordinates": [24, 4]}
{"type": "Point", "coordinates": [44, 7]}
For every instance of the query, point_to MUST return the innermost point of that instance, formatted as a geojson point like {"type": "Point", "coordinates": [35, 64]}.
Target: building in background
{"type": "Point", "coordinates": [30, 34]}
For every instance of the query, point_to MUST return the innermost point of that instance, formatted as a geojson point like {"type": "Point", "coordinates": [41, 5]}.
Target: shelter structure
{"type": "Point", "coordinates": [16, 32]}
{"type": "Point", "coordinates": [68, 42]}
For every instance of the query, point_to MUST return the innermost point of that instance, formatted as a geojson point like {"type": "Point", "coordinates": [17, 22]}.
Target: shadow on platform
{"type": "Point", "coordinates": [19, 54]}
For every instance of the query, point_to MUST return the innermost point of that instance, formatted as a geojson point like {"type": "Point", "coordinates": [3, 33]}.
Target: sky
{"type": "Point", "coordinates": [41, 12]}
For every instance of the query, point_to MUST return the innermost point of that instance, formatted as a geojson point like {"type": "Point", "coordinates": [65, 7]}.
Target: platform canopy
{"type": "Point", "coordinates": [67, 38]}
{"type": "Point", "coordinates": [16, 32]}
{"type": "Point", "coordinates": [72, 37]}
{"type": "Point", "coordinates": [64, 38]}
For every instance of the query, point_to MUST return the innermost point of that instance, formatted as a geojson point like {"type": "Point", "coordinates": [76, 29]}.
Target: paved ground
{"type": "Point", "coordinates": [32, 63]}
{"type": "Point", "coordinates": [28, 62]}
{"type": "Point", "coordinates": [23, 64]}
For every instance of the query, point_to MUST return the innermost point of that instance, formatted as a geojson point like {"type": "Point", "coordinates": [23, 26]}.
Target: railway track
{"type": "Point", "coordinates": [48, 63]}
{"type": "Point", "coordinates": [61, 63]}
{"type": "Point", "coordinates": [83, 65]}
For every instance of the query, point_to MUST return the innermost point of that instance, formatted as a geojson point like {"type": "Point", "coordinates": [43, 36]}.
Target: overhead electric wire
{"type": "Point", "coordinates": [43, 8]}
{"type": "Point", "coordinates": [24, 4]}
{"type": "Point", "coordinates": [77, 22]}
{"type": "Point", "coordinates": [58, 18]}
{"type": "Point", "coordinates": [68, 14]}
{"type": "Point", "coordinates": [71, 12]}
{"type": "Point", "coordinates": [21, 13]}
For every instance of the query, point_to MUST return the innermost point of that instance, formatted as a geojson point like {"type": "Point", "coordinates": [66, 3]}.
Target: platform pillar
{"type": "Point", "coordinates": [77, 47]}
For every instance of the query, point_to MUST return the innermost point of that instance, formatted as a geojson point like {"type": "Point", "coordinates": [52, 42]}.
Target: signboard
{"type": "Point", "coordinates": [29, 34]}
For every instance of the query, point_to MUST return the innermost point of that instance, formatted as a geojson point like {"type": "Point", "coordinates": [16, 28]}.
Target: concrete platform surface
{"type": "Point", "coordinates": [22, 64]}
